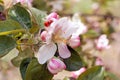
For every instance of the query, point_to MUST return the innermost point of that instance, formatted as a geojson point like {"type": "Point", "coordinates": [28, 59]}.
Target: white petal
{"type": "Point", "coordinates": [63, 50]}
{"type": "Point", "coordinates": [71, 28]}
{"type": "Point", "coordinates": [46, 52]}
{"type": "Point", "coordinates": [82, 28]}
{"type": "Point", "coordinates": [61, 24]}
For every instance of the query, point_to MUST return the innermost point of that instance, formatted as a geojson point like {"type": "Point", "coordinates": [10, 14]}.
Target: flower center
{"type": "Point", "coordinates": [58, 39]}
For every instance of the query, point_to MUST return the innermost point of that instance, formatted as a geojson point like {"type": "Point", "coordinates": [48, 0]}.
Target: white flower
{"type": "Point", "coordinates": [57, 35]}
{"type": "Point", "coordinates": [102, 42]}
{"type": "Point", "coordinates": [59, 32]}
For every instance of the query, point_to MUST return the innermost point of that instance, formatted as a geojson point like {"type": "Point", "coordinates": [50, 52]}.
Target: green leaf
{"type": "Point", "coordinates": [111, 76]}
{"type": "Point", "coordinates": [94, 73]}
{"type": "Point", "coordinates": [20, 14]}
{"type": "Point", "coordinates": [75, 62]}
{"type": "Point", "coordinates": [27, 53]}
{"type": "Point", "coordinates": [6, 44]}
{"type": "Point", "coordinates": [9, 26]}
{"type": "Point", "coordinates": [38, 16]}
{"type": "Point", "coordinates": [36, 71]}
{"type": "Point", "coordinates": [23, 67]}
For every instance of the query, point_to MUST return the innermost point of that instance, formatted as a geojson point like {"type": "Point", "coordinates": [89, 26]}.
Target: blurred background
{"type": "Point", "coordinates": [99, 15]}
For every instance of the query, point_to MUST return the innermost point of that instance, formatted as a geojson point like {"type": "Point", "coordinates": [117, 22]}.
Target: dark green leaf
{"type": "Point", "coordinates": [36, 71]}
{"type": "Point", "coordinates": [75, 62]}
{"type": "Point", "coordinates": [23, 67]}
{"type": "Point", "coordinates": [94, 73]}
{"type": "Point", "coordinates": [20, 14]}
{"type": "Point", "coordinates": [9, 25]}
{"type": "Point", "coordinates": [38, 16]}
{"type": "Point", "coordinates": [27, 53]}
{"type": "Point", "coordinates": [6, 44]}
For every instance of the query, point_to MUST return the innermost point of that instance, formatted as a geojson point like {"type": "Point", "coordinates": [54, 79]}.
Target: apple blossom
{"type": "Point", "coordinates": [55, 65]}
{"type": "Point", "coordinates": [75, 74]}
{"type": "Point", "coordinates": [102, 42]}
{"type": "Point", "coordinates": [59, 34]}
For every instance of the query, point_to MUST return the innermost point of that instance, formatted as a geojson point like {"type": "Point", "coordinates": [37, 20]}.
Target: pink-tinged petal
{"type": "Point", "coordinates": [52, 15]}
{"type": "Point", "coordinates": [74, 41]}
{"type": "Point", "coordinates": [46, 52]}
{"type": "Point", "coordinates": [68, 29]}
{"type": "Point", "coordinates": [43, 35]}
{"type": "Point", "coordinates": [55, 65]}
{"type": "Point", "coordinates": [75, 74]}
{"type": "Point", "coordinates": [63, 50]}
{"type": "Point", "coordinates": [61, 25]}
{"type": "Point", "coordinates": [48, 38]}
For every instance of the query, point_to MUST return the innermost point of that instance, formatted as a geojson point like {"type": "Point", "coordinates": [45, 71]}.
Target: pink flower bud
{"type": "Point", "coordinates": [55, 65]}
{"type": "Point", "coordinates": [74, 41]}
{"type": "Point", "coordinates": [99, 62]}
{"type": "Point", "coordinates": [75, 74]}
{"type": "Point", "coordinates": [43, 35]}
{"type": "Point", "coordinates": [102, 42]}
{"type": "Point", "coordinates": [52, 16]}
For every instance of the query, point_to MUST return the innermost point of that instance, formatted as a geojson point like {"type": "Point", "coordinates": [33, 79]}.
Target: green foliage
{"type": "Point", "coordinates": [6, 44]}
{"type": "Point", "coordinates": [9, 26]}
{"type": "Point", "coordinates": [38, 16]}
{"type": "Point", "coordinates": [23, 67]}
{"type": "Point", "coordinates": [27, 53]}
{"type": "Point", "coordinates": [36, 71]}
{"type": "Point", "coordinates": [110, 76]}
{"type": "Point", "coordinates": [75, 62]}
{"type": "Point", "coordinates": [94, 73]}
{"type": "Point", "coordinates": [20, 14]}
